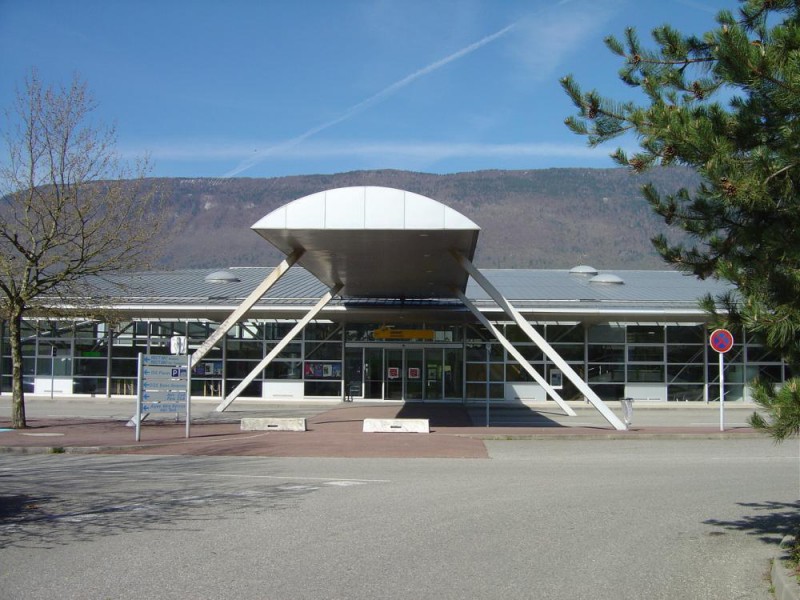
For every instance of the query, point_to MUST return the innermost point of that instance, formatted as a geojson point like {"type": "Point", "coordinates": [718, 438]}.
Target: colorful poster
{"type": "Point", "coordinates": [413, 372]}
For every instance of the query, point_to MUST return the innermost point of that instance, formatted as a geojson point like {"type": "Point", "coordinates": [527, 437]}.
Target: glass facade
{"type": "Point", "coordinates": [420, 362]}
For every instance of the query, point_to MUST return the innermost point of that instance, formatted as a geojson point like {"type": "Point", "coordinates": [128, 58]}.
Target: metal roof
{"type": "Point", "coordinates": [546, 293]}
{"type": "Point", "coordinates": [376, 241]}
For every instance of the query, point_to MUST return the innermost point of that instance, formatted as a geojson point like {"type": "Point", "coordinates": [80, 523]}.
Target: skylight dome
{"type": "Point", "coordinates": [222, 276]}
{"type": "Point", "coordinates": [583, 270]}
{"type": "Point", "coordinates": [607, 278]}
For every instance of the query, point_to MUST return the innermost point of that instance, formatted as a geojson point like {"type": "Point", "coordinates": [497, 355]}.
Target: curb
{"type": "Point", "coordinates": [566, 436]}
{"type": "Point", "coordinates": [784, 581]}
{"type": "Point", "coordinates": [55, 449]}
{"type": "Point", "coordinates": [621, 435]}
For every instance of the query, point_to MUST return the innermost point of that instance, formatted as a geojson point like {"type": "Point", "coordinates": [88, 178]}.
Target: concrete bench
{"type": "Point", "coordinates": [273, 424]}
{"type": "Point", "coordinates": [396, 426]}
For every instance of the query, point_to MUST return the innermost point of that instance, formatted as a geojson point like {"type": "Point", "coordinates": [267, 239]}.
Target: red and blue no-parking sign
{"type": "Point", "coordinates": [721, 340]}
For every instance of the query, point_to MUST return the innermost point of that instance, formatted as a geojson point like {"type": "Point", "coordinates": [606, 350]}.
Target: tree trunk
{"type": "Point", "coordinates": [18, 393]}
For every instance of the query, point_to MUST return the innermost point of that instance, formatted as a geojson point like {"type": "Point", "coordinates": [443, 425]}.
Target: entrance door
{"type": "Point", "coordinates": [414, 374]}
{"type": "Point", "coordinates": [411, 374]}
{"type": "Point", "coordinates": [353, 373]}
{"type": "Point", "coordinates": [394, 374]}
{"type": "Point", "coordinates": [433, 374]}
{"type": "Point", "coordinates": [373, 373]}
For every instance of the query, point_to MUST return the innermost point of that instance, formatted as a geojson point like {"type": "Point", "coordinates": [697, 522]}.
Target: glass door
{"type": "Point", "coordinates": [394, 374]}
{"type": "Point", "coordinates": [373, 373]}
{"type": "Point", "coordinates": [414, 374]}
{"type": "Point", "coordinates": [433, 374]}
{"type": "Point", "coordinates": [453, 379]}
{"type": "Point", "coordinates": [354, 373]}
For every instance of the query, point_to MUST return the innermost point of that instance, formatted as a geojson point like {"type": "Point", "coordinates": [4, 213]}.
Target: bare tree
{"type": "Point", "coordinates": [70, 209]}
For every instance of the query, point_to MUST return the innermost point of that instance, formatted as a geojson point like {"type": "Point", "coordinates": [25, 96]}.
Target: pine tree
{"type": "Point", "coordinates": [727, 104]}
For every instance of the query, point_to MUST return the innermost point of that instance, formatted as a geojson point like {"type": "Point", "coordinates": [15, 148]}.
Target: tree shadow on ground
{"type": "Point", "coordinates": [52, 508]}
{"type": "Point", "coordinates": [771, 519]}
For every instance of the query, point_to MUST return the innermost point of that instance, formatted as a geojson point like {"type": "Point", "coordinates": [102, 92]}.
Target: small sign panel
{"type": "Point", "coordinates": [389, 333]}
{"type": "Point", "coordinates": [721, 340]}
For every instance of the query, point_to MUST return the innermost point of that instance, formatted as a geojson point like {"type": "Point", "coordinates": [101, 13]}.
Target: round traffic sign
{"type": "Point", "coordinates": [721, 340]}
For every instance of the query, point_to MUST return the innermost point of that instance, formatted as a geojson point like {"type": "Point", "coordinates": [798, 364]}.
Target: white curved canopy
{"type": "Point", "coordinates": [376, 241]}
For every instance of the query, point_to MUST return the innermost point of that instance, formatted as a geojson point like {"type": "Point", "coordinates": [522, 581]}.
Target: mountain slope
{"type": "Point", "coordinates": [553, 218]}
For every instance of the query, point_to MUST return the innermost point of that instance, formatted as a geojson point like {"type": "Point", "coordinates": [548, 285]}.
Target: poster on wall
{"type": "Point", "coordinates": [556, 379]}
{"type": "Point", "coordinates": [322, 370]}
{"type": "Point", "coordinates": [393, 372]}
{"type": "Point", "coordinates": [413, 372]}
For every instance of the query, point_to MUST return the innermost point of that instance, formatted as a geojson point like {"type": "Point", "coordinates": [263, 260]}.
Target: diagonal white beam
{"type": "Point", "coordinates": [516, 354]}
{"type": "Point", "coordinates": [245, 306]}
{"type": "Point", "coordinates": [279, 347]}
{"type": "Point", "coordinates": [535, 337]}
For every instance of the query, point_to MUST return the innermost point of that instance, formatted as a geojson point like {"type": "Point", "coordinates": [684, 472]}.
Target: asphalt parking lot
{"type": "Point", "coordinates": [537, 518]}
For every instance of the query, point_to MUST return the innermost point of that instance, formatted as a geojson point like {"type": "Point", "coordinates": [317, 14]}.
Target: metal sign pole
{"type": "Point", "coordinates": [52, 370]}
{"type": "Point", "coordinates": [721, 393]}
{"type": "Point", "coordinates": [188, 395]}
{"type": "Point", "coordinates": [138, 416]}
{"type": "Point", "coordinates": [721, 341]}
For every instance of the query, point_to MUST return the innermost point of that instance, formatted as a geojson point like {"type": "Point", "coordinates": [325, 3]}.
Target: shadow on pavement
{"type": "Point", "coordinates": [771, 519]}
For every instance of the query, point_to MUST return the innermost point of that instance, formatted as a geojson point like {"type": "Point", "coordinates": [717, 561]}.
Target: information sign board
{"type": "Point", "coordinates": [163, 384]}
{"type": "Point", "coordinates": [163, 407]}
{"type": "Point", "coordinates": [164, 396]}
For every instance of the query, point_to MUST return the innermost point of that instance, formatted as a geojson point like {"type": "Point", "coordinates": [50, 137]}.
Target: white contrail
{"type": "Point", "coordinates": [364, 104]}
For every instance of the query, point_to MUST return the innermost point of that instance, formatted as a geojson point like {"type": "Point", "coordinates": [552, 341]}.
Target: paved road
{"type": "Point", "coordinates": [545, 519]}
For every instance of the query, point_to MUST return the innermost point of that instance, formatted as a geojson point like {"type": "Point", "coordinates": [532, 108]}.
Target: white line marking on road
{"type": "Point", "coordinates": [327, 480]}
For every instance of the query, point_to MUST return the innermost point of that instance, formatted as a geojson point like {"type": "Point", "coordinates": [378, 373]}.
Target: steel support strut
{"type": "Point", "coordinates": [245, 306]}
{"type": "Point", "coordinates": [516, 354]}
{"type": "Point", "coordinates": [279, 347]}
{"type": "Point", "coordinates": [536, 338]}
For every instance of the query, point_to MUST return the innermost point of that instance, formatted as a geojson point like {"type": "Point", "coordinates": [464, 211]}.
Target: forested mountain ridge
{"type": "Point", "coordinates": [551, 218]}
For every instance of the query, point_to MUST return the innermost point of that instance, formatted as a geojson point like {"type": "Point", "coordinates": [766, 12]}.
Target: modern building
{"type": "Point", "coordinates": [378, 300]}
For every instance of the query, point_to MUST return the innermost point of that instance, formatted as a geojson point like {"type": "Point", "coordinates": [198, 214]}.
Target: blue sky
{"type": "Point", "coordinates": [279, 87]}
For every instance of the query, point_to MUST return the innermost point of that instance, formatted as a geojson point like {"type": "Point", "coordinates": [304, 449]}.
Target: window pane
{"type": "Point", "coordinates": [646, 373]}
{"type": "Point", "coordinates": [476, 372]}
{"type": "Point", "coordinates": [685, 354]}
{"type": "Point", "coordinates": [476, 390]}
{"type": "Point", "coordinates": [323, 351]}
{"type": "Point", "coordinates": [565, 333]}
{"type": "Point", "coordinates": [685, 373]}
{"type": "Point", "coordinates": [476, 352]}
{"type": "Point", "coordinates": [606, 353]}
{"type": "Point", "coordinates": [685, 393]}
{"type": "Point", "coordinates": [645, 334]}
{"type": "Point", "coordinates": [283, 370]}
{"type": "Point", "coordinates": [323, 388]}
{"type": "Point", "coordinates": [323, 331]}
{"type": "Point", "coordinates": [609, 392]}
{"type": "Point", "coordinates": [686, 334]}
{"type": "Point", "coordinates": [515, 372]}
{"type": "Point", "coordinates": [90, 366]}
{"type": "Point", "coordinates": [608, 372]}
{"type": "Point", "coordinates": [277, 331]}
{"type": "Point", "coordinates": [531, 353]}
{"type": "Point", "coordinates": [569, 352]}
{"type": "Point", "coordinates": [245, 350]}
{"type": "Point", "coordinates": [645, 353]}
{"type": "Point", "coordinates": [606, 333]}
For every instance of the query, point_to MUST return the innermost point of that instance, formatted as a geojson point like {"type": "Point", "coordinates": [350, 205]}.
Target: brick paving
{"type": "Point", "coordinates": [335, 432]}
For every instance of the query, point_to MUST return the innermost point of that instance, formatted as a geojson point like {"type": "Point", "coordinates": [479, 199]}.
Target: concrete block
{"type": "Point", "coordinates": [396, 426]}
{"type": "Point", "coordinates": [273, 424]}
